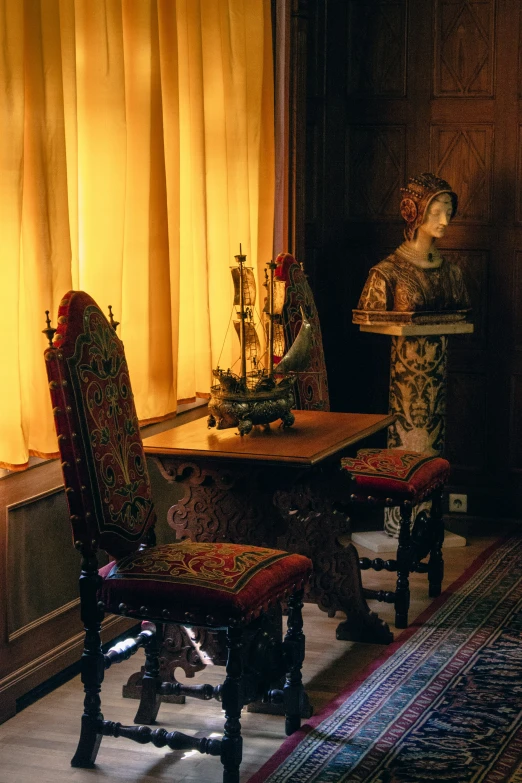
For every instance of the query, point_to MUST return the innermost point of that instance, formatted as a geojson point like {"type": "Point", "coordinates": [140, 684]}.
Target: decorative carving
{"type": "Point", "coordinates": [519, 53]}
{"type": "Point", "coordinates": [289, 509]}
{"type": "Point", "coordinates": [313, 526]}
{"type": "Point", "coordinates": [178, 651]}
{"type": "Point", "coordinates": [515, 421]}
{"type": "Point", "coordinates": [466, 406]}
{"type": "Point", "coordinates": [221, 503]}
{"type": "Point", "coordinates": [517, 297]}
{"type": "Point", "coordinates": [518, 183]}
{"type": "Point", "coordinates": [226, 412]}
{"type": "Point", "coordinates": [419, 195]}
{"type": "Point", "coordinates": [474, 266]}
{"type": "Point", "coordinates": [377, 41]}
{"type": "Point", "coordinates": [464, 48]}
{"type": "Point", "coordinates": [463, 155]}
{"type": "Point", "coordinates": [377, 157]}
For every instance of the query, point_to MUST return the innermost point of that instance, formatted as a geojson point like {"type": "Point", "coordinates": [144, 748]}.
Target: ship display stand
{"type": "Point", "coordinates": [417, 397]}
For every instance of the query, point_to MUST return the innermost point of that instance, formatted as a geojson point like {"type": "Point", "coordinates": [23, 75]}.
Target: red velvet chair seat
{"type": "Point", "coordinates": [216, 584]}
{"type": "Point", "coordinates": [393, 476]}
{"type": "Point", "coordinates": [396, 477]}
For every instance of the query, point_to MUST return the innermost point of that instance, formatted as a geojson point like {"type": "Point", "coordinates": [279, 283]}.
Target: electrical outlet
{"type": "Point", "coordinates": [458, 503]}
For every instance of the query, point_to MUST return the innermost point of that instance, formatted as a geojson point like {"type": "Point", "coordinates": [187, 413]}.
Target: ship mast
{"type": "Point", "coordinates": [242, 315]}
{"type": "Point", "coordinates": [271, 267]}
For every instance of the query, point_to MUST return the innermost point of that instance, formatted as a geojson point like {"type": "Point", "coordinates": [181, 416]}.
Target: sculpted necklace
{"type": "Point", "coordinates": [430, 260]}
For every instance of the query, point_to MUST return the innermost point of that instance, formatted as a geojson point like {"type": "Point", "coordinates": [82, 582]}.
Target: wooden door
{"type": "Point", "coordinates": [396, 88]}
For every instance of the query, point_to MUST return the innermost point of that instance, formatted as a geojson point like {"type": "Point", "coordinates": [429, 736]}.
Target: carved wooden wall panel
{"type": "Point", "coordinates": [520, 53]}
{"type": "Point", "coordinates": [515, 420]}
{"type": "Point", "coordinates": [40, 628]}
{"type": "Point", "coordinates": [466, 444]}
{"type": "Point", "coordinates": [517, 288]}
{"type": "Point", "coordinates": [462, 155]}
{"type": "Point", "coordinates": [36, 532]}
{"type": "Point", "coordinates": [518, 190]}
{"type": "Point", "coordinates": [377, 39]}
{"type": "Point", "coordinates": [376, 159]}
{"type": "Point", "coordinates": [451, 103]}
{"type": "Point", "coordinates": [464, 48]}
{"type": "Point", "coordinates": [474, 265]}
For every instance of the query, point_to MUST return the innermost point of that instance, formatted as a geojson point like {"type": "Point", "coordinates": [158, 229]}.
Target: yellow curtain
{"type": "Point", "coordinates": [136, 155]}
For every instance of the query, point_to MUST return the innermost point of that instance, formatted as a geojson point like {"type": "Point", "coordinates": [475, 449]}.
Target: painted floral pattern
{"type": "Point", "coordinates": [111, 426]}
{"type": "Point", "coordinates": [219, 566]}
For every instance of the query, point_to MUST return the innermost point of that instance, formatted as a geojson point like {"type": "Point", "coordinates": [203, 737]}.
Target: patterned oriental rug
{"type": "Point", "coordinates": [444, 704]}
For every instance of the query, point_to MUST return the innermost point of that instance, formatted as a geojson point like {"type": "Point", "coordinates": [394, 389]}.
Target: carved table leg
{"type": "Point", "coordinates": [222, 503]}
{"type": "Point", "coordinates": [313, 529]}
{"type": "Point", "coordinates": [177, 651]}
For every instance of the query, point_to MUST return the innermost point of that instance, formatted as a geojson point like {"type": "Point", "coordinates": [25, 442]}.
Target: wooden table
{"type": "Point", "coordinates": [275, 487]}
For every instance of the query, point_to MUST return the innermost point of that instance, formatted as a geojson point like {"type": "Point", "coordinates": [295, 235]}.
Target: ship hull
{"type": "Point", "coordinates": [244, 410]}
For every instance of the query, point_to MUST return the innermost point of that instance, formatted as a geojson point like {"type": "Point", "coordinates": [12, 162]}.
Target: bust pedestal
{"type": "Point", "coordinates": [417, 397]}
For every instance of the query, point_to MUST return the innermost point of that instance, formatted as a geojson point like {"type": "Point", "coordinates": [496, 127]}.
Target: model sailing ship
{"type": "Point", "coordinates": [261, 391]}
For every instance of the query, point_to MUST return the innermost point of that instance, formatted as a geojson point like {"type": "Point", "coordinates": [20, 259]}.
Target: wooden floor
{"type": "Point", "coordinates": [37, 744]}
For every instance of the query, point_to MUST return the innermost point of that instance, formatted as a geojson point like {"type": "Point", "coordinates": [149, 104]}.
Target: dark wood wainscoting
{"type": "Point", "coordinates": [42, 632]}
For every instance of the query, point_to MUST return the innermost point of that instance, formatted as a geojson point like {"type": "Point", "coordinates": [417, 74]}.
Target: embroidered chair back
{"type": "Point", "coordinates": [106, 481]}
{"type": "Point", "coordinates": [311, 388]}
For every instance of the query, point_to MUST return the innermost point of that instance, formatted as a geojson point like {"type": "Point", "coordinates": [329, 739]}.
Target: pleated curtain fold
{"type": "Point", "coordinates": [136, 154]}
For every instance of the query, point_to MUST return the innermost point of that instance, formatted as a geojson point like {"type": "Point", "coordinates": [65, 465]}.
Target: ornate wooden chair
{"type": "Point", "coordinates": [215, 586]}
{"type": "Point", "coordinates": [393, 477]}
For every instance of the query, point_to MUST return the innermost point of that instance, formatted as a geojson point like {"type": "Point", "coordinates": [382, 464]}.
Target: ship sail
{"type": "Point", "coordinates": [278, 334]}
{"type": "Point", "coordinates": [252, 344]}
{"type": "Point", "coordinates": [249, 286]}
{"type": "Point", "coordinates": [279, 296]}
{"type": "Point", "coordinates": [297, 358]}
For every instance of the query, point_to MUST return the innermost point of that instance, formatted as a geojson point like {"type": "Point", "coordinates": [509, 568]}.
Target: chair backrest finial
{"type": "Point", "coordinates": [113, 323]}
{"type": "Point", "coordinates": [49, 331]}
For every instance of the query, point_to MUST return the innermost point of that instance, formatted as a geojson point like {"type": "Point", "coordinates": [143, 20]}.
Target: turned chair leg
{"type": "Point", "coordinates": [402, 591]}
{"type": "Point", "coordinates": [150, 699]}
{"type": "Point", "coordinates": [436, 561]}
{"type": "Point", "coordinates": [294, 647]}
{"type": "Point", "coordinates": [92, 669]}
{"type": "Point", "coordinates": [232, 743]}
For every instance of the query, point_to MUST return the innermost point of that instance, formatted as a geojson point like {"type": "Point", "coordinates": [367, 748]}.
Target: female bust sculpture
{"type": "Point", "coordinates": [416, 278]}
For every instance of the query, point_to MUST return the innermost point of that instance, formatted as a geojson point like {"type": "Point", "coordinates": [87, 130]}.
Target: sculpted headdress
{"type": "Point", "coordinates": [417, 196]}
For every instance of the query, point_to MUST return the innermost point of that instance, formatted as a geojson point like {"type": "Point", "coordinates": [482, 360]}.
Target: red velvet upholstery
{"type": "Point", "coordinates": [395, 474]}
{"type": "Point", "coordinates": [202, 584]}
